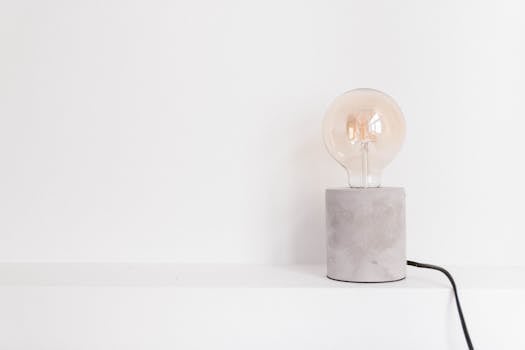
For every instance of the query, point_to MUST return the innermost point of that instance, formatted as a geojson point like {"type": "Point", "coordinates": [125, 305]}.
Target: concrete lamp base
{"type": "Point", "coordinates": [366, 234]}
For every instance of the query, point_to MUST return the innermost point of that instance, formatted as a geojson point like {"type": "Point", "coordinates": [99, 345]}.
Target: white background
{"type": "Point", "coordinates": [190, 131]}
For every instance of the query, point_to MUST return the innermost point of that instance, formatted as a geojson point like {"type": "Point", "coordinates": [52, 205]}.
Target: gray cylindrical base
{"type": "Point", "coordinates": [366, 234]}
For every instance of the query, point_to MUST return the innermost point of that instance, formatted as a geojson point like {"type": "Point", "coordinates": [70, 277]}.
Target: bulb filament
{"type": "Point", "coordinates": [364, 128]}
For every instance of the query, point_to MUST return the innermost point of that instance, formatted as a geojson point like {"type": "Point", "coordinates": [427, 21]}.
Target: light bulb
{"type": "Point", "coordinates": [363, 131]}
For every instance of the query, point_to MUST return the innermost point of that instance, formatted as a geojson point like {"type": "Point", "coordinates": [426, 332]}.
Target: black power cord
{"type": "Point", "coordinates": [460, 311]}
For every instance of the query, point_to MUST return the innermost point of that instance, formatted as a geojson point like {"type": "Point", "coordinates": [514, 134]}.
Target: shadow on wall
{"type": "Point", "coordinates": [307, 225]}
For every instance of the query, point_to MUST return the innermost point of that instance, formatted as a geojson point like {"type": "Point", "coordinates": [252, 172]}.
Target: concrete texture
{"type": "Point", "coordinates": [366, 234]}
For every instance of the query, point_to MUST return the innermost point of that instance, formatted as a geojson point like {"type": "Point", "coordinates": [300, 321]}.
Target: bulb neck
{"type": "Point", "coordinates": [358, 180]}
{"type": "Point", "coordinates": [366, 175]}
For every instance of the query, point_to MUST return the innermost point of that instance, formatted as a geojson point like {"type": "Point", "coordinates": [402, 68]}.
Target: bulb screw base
{"type": "Point", "coordinates": [366, 234]}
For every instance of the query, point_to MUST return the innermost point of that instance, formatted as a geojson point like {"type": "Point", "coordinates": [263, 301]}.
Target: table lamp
{"type": "Point", "coordinates": [363, 130]}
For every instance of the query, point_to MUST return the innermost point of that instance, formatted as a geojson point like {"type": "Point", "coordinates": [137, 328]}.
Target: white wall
{"type": "Point", "coordinates": [190, 130]}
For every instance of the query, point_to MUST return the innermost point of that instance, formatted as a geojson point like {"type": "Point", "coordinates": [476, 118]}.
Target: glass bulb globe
{"type": "Point", "coordinates": [363, 131]}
